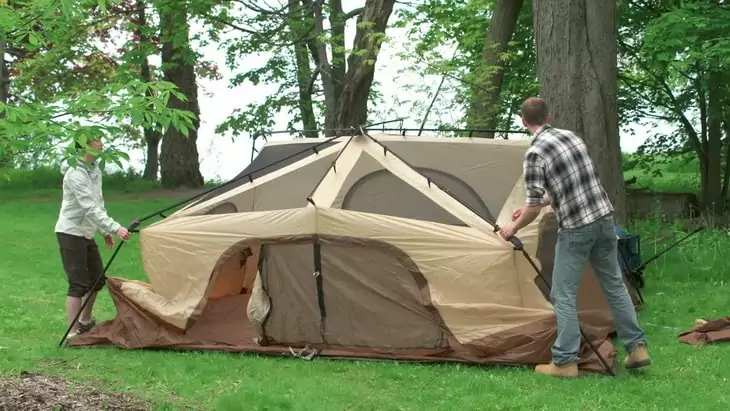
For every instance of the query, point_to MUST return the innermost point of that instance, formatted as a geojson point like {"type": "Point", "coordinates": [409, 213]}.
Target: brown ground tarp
{"type": "Point", "coordinates": [355, 251]}
{"type": "Point", "coordinates": [707, 332]}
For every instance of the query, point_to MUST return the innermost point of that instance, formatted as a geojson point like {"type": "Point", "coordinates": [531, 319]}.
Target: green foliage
{"type": "Point", "coordinates": [667, 49]}
{"type": "Point", "coordinates": [45, 182]}
{"type": "Point", "coordinates": [435, 25]}
{"type": "Point", "coordinates": [663, 173]}
{"type": "Point", "coordinates": [49, 124]}
{"type": "Point", "coordinates": [262, 31]}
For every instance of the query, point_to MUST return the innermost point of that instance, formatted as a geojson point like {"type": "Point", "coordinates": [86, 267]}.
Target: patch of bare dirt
{"type": "Point", "coordinates": [36, 392]}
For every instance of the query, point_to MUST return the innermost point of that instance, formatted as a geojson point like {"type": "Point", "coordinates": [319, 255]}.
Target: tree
{"type": "Point", "coordinates": [146, 46]}
{"type": "Point", "coordinates": [305, 54]}
{"type": "Point", "coordinates": [577, 70]}
{"type": "Point", "coordinates": [677, 70]}
{"type": "Point", "coordinates": [75, 112]}
{"type": "Point", "coordinates": [484, 110]}
{"type": "Point", "coordinates": [179, 165]}
{"type": "Point", "coordinates": [470, 71]}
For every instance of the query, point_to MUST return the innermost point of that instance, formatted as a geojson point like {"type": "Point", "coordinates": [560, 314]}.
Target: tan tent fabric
{"type": "Point", "coordinates": [356, 250]}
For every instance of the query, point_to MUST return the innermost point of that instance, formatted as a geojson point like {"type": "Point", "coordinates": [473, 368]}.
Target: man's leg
{"type": "Point", "coordinates": [95, 269]}
{"type": "Point", "coordinates": [571, 256]}
{"type": "Point", "coordinates": [85, 317]}
{"type": "Point", "coordinates": [604, 260]}
{"type": "Point", "coordinates": [73, 257]}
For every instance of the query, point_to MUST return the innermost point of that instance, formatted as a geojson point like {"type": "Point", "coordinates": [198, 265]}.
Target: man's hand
{"type": "Point", "coordinates": [123, 233]}
{"type": "Point", "coordinates": [109, 240]}
{"type": "Point", "coordinates": [508, 231]}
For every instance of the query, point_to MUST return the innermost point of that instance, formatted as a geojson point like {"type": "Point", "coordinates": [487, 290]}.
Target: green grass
{"type": "Point", "coordinates": [669, 174]}
{"type": "Point", "coordinates": [45, 182]}
{"type": "Point", "coordinates": [689, 282]}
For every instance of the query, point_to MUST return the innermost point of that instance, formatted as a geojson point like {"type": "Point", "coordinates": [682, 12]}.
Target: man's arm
{"type": "Point", "coordinates": [79, 184]}
{"type": "Point", "coordinates": [537, 197]}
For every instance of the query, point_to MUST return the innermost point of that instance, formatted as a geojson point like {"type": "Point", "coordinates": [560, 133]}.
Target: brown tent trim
{"type": "Point", "coordinates": [135, 328]}
{"type": "Point", "coordinates": [707, 332]}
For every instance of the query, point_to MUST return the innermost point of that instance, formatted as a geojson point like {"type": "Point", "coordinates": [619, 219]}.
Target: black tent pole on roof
{"type": "Point", "coordinates": [516, 243]}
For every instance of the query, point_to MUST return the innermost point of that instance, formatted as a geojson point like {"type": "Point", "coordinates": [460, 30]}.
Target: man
{"type": "Point", "coordinates": [557, 165]}
{"type": "Point", "coordinates": [82, 214]}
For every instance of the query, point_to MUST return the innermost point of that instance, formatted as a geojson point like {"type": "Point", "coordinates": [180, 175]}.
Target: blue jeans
{"type": "Point", "coordinates": [595, 243]}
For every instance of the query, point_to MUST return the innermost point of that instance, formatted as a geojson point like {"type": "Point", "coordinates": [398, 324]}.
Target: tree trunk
{"type": "Point", "coordinates": [712, 191]}
{"type": "Point", "coordinates": [151, 137]}
{"type": "Point", "coordinates": [331, 97]}
{"type": "Point", "coordinates": [484, 109]}
{"type": "Point", "coordinates": [179, 155]}
{"type": "Point", "coordinates": [371, 25]}
{"type": "Point", "coordinates": [577, 71]}
{"type": "Point", "coordinates": [305, 77]}
{"type": "Point", "coordinates": [4, 75]}
{"type": "Point", "coordinates": [337, 46]}
{"type": "Point", "coordinates": [6, 155]}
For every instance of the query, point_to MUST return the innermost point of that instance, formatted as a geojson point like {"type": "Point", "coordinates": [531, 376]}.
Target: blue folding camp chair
{"type": "Point", "coordinates": [629, 258]}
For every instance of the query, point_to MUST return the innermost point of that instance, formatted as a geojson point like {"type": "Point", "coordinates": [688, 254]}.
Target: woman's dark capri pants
{"type": "Point", "coordinates": [82, 263]}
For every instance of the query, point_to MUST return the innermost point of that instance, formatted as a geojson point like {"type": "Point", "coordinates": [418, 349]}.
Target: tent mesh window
{"type": "Point", "coordinates": [381, 192]}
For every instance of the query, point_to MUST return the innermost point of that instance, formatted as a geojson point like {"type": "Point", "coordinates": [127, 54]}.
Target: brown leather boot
{"type": "Point", "coordinates": [637, 358]}
{"type": "Point", "coordinates": [554, 370]}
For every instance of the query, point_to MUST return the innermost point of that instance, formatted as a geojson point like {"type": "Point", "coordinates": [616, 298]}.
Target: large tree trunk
{"type": "Point", "coordinates": [179, 157]}
{"type": "Point", "coordinates": [577, 71]}
{"type": "Point", "coordinates": [712, 190]}
{"type": "Point", "coordinates": [152, 137]}
{"type": "Point", "coordinates": [484, 109]}
{"type": "Point", "coordinates": [305, 77]}
{"type": "Point", "coordinates": [371, 25]}
{"type": "Point", "coordinates": [328, 76]}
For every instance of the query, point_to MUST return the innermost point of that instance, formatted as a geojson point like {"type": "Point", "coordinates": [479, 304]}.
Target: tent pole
{"type": "Point", "coordinates": [519, 247]}
{"type": "Point", "coordinates": [132, 228]}
{"type": "Point", "coordinates": [697, 230]}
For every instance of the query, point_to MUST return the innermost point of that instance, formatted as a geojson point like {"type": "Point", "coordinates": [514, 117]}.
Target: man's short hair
{"type": "Point", "coordinates": [535, 111]}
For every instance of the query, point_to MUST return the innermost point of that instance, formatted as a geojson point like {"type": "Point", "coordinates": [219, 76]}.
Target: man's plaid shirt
{"type": "Point", "coordinates": [557, 163]}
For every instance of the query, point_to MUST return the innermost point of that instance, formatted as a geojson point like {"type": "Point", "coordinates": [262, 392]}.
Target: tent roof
{"type": "Point", "coordinates": [277, 154]}
{"type": "Point", "coordinates": [479, 172]}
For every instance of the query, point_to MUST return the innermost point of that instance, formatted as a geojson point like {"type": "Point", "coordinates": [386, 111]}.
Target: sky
{"type": "Point", "coordinates": [222, 157]}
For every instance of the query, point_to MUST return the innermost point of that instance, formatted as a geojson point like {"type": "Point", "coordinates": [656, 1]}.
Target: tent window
{"type": "Point", "coordinates": [382, 192]}
{"type": "Point", "coordinates": [224, 208]}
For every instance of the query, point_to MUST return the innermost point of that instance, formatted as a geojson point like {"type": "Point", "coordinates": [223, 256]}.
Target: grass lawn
{"type": "Point", "coordinates": [689, 282]}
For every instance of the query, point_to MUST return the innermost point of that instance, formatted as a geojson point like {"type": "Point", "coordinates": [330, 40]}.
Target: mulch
{"type": "Point", "coordinates": [36, 392]}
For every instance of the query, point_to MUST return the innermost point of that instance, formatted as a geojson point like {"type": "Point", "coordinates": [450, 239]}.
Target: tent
{"type": "Point", "coordinates": [356, 247]}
